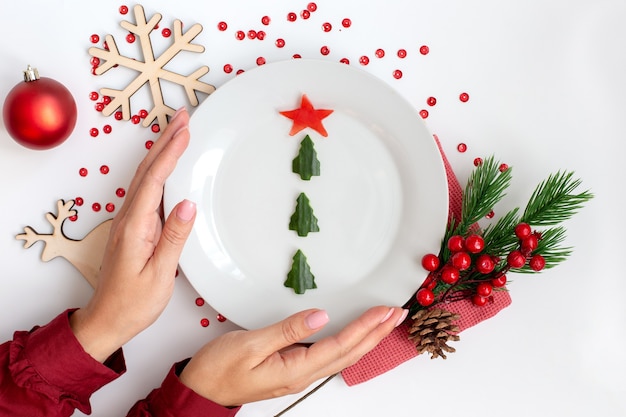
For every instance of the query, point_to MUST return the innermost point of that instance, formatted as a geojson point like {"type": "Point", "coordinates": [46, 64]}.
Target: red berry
{"type": "Point", "coordinates": [484, 289]}
{"type": "Point", "coordinates": [478, 300]}
{"type": "Point", "coordinates": [516, 259]}
{"type": "Point", "coordinates": [456, 243]}
{"type": "Point", "coordinates": [430, 282]}
{"type": "Point", "coordinates": [537, 263]}
{"type": "Point", "coordinates": [474, 243]}
{"type": "Point", "coordinates": [499, 282]}
{"type": "Point", "coordinates": [425, 297]}
{"type": "Point", "coordinates": [461, 261]}
{"type": "Point", "coordinates": [430, 262]}
{"type": "Point", "coordinates": [530, 243]}
{"type": "Point", "coordinates": [484, 264]}
{"type": "Point", "coordinates": [450, 275]}
{"type": "Point", "coordinates": [522, 230]}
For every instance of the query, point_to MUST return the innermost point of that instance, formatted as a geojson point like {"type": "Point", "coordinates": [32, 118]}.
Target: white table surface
{"type": "Point", "coordinates": [547, 86]}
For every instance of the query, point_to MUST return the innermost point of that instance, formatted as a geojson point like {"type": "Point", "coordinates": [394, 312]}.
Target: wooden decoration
{"type": "Point", "coordinates": [86, 254]}
{"type": "Point", "coordinates": [151, 70]}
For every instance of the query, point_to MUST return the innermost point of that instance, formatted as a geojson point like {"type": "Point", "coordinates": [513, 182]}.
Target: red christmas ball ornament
{"type": "Point", "coordinates": [39, 113]}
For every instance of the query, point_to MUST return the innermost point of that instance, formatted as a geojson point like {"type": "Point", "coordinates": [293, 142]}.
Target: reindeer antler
{"type": "Point", "coordinates": [31, 236]}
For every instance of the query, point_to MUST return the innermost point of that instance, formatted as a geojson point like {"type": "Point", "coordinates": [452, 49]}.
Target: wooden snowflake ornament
{"type": "Point", "coordinates": [151, 70]}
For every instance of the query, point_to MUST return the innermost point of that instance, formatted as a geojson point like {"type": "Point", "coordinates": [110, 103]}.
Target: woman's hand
{"type": "Point", "coordinates": [139, 266]}
{"type": "Point", "coordinates": [246, 366]}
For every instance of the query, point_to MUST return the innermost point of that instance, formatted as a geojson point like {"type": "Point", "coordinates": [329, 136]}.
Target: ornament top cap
{"type": "Point", "coordinates": [31, 74]}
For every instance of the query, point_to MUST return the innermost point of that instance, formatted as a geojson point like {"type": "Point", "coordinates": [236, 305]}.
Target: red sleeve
{"type": "Point", "coordinates": [174, 399]}
{"type": "Point", "coordinates": [46, 372]}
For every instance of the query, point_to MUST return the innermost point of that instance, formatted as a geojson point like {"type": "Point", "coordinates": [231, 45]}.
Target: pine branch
{"type": "Point", "coordinates": [499, 237]}
{"type": "Point", "coordinates": [554, 201]}
{"type": "Point", "coordinates": [486, 187]}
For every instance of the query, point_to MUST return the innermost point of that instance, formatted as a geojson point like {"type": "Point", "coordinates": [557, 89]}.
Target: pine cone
{"type": "Point", "coordinates": [432, 329]}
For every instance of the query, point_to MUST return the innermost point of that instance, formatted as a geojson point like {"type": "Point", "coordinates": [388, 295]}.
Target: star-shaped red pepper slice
{"type": "Point", "coordinates": [307, 116]}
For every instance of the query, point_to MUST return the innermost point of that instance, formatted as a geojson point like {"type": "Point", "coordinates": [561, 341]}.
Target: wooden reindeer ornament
{"type": "Point", "coordinates": [86, 254]}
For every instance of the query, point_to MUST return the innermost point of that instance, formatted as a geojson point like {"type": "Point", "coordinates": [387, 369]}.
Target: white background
{"type": "Point", "coordinates": [547, 85]}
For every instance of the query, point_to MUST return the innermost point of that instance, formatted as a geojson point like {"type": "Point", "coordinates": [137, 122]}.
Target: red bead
{"type": "Point", "coordinates": [83, 172]}
{"type": "Point", "coordinates": [240, 35]}
{"type": "Point", "coordinates": [119, 115]}
{"type": "Point", "coordinates": [94, 61]}
{"type": "Point", "coordinates": [484, 289]}
{"type": "Point", "coordinates": [450, 275]}
{"type": "Point", "coordinates": [522, 230]}
{"type": "Point", "coordinates": [345, 61]}
{"type": "Point", "coordinates": [96, 207]}
{"type": "Point", "coordinates": [515, 259]}
{"type": "Point", "coordinates": [280, 43]}
{"type": "Point", "coordinates": [324, 50]}
{"type": "Point", "coordinates": [252, 34]}
{"type": "Point", "coordinates": [425, 297]}
{"type": "Point", "coordinates": [204, 322]}
{"type": "Point", "coordinates": [430, 262]}
{"type": "Point", "coordinates": [485, 264]}
{"type": "Point", "coordinates": [135, 119]}
{"type": "Point", "coordinates": [199, 301]}
{"type": "Point", "coordinates": [155, 128]}
{"type": "Point", "coordinates": [424, 50]}
{"type": "Point", "coordinates": [397, 74]}
{"type": "Point", "coordinates": [166, 32]}
{"type": "Point", "coordinates": [499, 282]}
{"type": "Point", "coordinates": [503, 167]}
{"type": "Point", "coordinates": [149, 144]}
{"type": "Point", "coordinates": [123, 9]}
{"type": "Point", "coordinates": [260, 35]}
{"type": "Point", "coordinates": [464, 97]}
{"type": "Point", "coordinates": [95, 38]}
{"type": "Point", "coordinates": [456, 243]}
{"type": "Point", "coordinates": [94, 132]}
{"type": "Point", "coordinates": [265, 20]}
{"type": "Point", "coordinates": [73, 218]}
{"type": "Point", "coordinates": [99, 107]}
{"type": "Point", "coordinates": [424, 113]}
{"type": "Point", "coordinates": [228, 68]}
{"type": "Point", "coordinates": [221, 318]}
{"type": "Point", "coordinates": [240, 71]}
{"type": "Point", "coordinates": [461, 147]}
{"type": "Point", "coordinates": [107, 129]}
{"type": "Point", "coordinates": [291, 17]}
{"type": "Point", "coordinates": [537, 263]}
{"type": "Point", "coordinates": [104, 169]}
{"type": "Point", "coordinates": [79, 201]}
{"type": "Point", "coordinates": [474, 243]}
{"type": "Point", "coordinates": [461, 261]}
{"type": "Point", "coordinates": [379, 53]}
{"type": "Point", "coordinates": [106, 99]}
{"type": "Point", "coordinates": [110, 207]}
{"type": "Point", "coordinates": [143, 113]}
{"type": "Point", "coordinates": [364, 60]}
{"type": "Point", "coordinates": [346, 23]}
{"type": "Point", "coordinates": [93, 96]}
{"type": "Point", "coordinates": [311, 7]}
{"type": "Point", "coordinates": [490, 215]}
{"type": "Point", "coordinates": [479, 301]}
{"type": "Point", "coordinates": [327, 27]}
{"type": "Point", "coordinates": [130, 38]}
{"type": "Point", "coordinates": [120, 192]}
{"type": "Point", "coordinates": [222, 26]}
{"type": "Point", "coordinates": [401, 53]}
{"type": "Point", "coordinates": [431, 101]}
{"type": "Point", "coordinates": [478, 162]}
{"type": "Point", "coordinates": [260, 61]}
{"type": "Point", "coordinates": [305, 14]}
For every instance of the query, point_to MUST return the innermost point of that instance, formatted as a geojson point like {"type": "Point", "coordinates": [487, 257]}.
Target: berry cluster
{"type": "Point", "coordinates": [470, 272]}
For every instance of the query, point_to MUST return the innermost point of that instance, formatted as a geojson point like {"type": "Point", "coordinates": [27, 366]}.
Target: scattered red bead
{"type": "Point", "coordinates": [143, 113]}
{"type": "Point", "coordinates": [240, 71]}
{"type": "Point", "coordinates": [424, 113]}
{"type": "Point", "coordinates": [222, 26]}
{"type": "Point", "coordinates": [379, 53]}
{"type": "Point", "coordinates": [73, 218]}
{"type": "Point", "coordinates": [221, 318]}
{"type": "Point", "coordinates": [265, 20]}
{"type": "Point", "coordinates": [305, 14]}
{"type": "Point", "coordinates": [296, 56]}
{"type": "Point", "coordinates": [166, 32]}
{"type": "Point", "coordinates": [228, 68]}
{"type": "Point", "coordinates": [99, 107]}
{"type": "Point", "coordinates": [364, 60]}
{"type": "Point", "coordinates": [83, 173]}
{"type": "Point", "coordinates": [478, 162]}
{"type": "Point", "coordinates": [95, 38]}
{"type": "Point", "coordinates": [107, 129]}
{"type": "Point", "coordinates": [260, 35]}
{"type": "Point", "coordinates": [130, 38]}
{"type": "Point", "coordinates": [118, 115]}
{"type": "Point", "coordinates": [260, 61]}
{"type": "Point", "coordinates": [424, 50]}
{"type": "Point", "coordinates": [311, 7]}
{"type": "Point", "coordinates": [96, 207]}
{"type": "Point", "coordinates": [327, 27]}
{"type": "Point", "coordinates": [93, 96]}
{"type": "Point", "coordinates": [401, 53]}
{"type": "Point", "coordinates": [149, 144]}
{"type": "Point", "coordinates": [345, 61]}
{"type": "Point", "coordinates": [155, 128]}
{"type": "Point", "coordinates": [123, 9]}
{"type": "Point", "coordinates": [431, 101]}
{"type": "Point", "coordinates": [291, 17]}
{"type": "Point", "coordinates": [490, 215]}
{"type": "Point", "coordinates": [94, 132]}
{"type": "Point", "coordinates": [79, 201]}
{"type": "Point", "coordinates": [503, 167]}
{"type": "Point", "coordinates": [252, 34]}
{"type": "Point", "coordinates": [461, 147]}
{"type": "Point", "coordinates": [280, 43]}
{"type": "Point", "coordinates": [120, 192]}
{"type": "Point", "coordinates": [199, 301]}
{"type": "Point", "coordinates": [204, 322]}
{"type": "Point", "coordinates": [346, 23]}
{"type": "Point", "coordinates": [110, 207]}
{"type": "Point", "coordinates": [464, 97]}
{"type": "Point", "coordinates": [397, 74]}
{"type": "Point", "coordinates": [324, 50]}
{"type": "Point", "coordinates": [104, 169]}
{"type": "Point", "coordinates": [240, 35]}
{"type": "Point", "coordinates": [135, 119]}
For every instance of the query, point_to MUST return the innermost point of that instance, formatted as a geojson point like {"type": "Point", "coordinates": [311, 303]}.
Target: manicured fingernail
{"type": "Point", "coordinates": [405, 313]}
{"type": "Point", "coordinates": [389, 313]}
{"type": "Point", "coordinates": [186, 210]}
{"type": "Point", "coordinates": [317, 319]}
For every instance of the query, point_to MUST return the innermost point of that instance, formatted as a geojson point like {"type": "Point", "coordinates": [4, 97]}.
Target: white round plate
{"type": "Point", "coordinates": [381, 198]}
